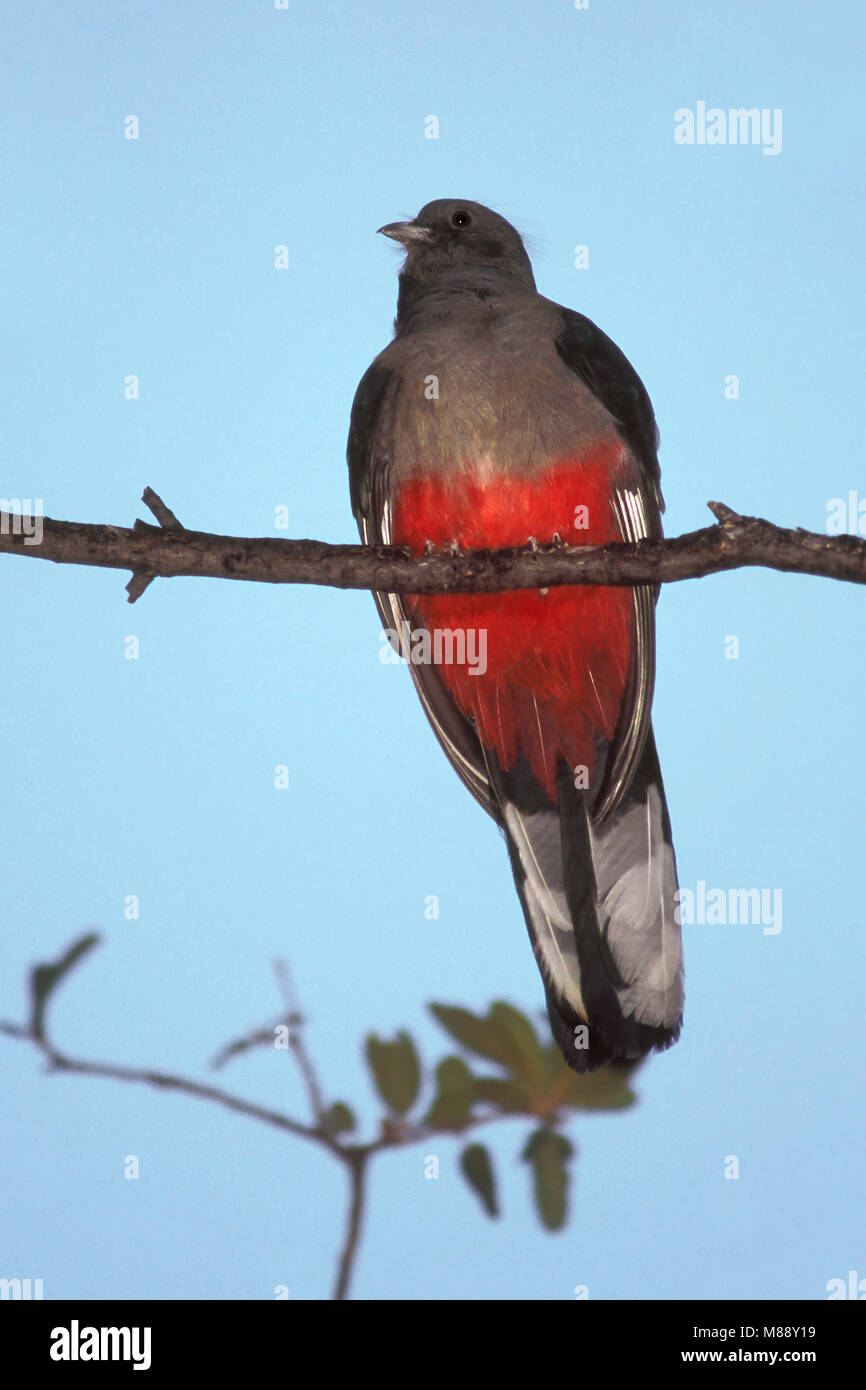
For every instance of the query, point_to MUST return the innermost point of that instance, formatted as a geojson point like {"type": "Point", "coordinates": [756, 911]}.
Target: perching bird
{"type": "Point", "coordinates": [496, 417]}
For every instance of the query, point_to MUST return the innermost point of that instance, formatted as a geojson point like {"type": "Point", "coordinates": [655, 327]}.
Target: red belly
{"type": "Point", "coordinates": [556, 663]}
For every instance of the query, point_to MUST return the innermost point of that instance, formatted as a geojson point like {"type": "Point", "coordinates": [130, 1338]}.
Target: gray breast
{"type": "Point", "coordinates": [480, 381]}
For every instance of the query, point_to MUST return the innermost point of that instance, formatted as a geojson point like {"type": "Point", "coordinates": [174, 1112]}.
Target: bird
{"type": "Point", "coordinates": [496, 417]}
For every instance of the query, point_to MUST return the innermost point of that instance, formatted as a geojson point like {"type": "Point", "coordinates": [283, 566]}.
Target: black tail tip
{"type": "Point", "coordinates": [586, 1046]}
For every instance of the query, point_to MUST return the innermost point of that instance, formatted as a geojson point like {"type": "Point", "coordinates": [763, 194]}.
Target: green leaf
{"type": "Point", "coordinates": [338, 1119]}
{"type": "Point", "coordinates": [45, 978]}
{"type": "Point", "coordinates": [474, 1032]}
{"type": "Point", "coordinates": [520, 1043]}
{"type": "Point", "coordinates": [606, 1089]}
{"type": "Point", "coordinates": [509, 1094]}
{"type": "Point", "coordinates": [548, 1152]}
{"type": "Point", "coordinates": [477, 1169]}
{"type": "Point", "coordinates": [452, 1106]}
{"type": "Point", "coordinates": [396, 1070]}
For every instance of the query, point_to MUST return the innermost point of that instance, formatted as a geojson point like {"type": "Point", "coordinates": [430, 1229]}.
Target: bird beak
{"type": "Point", "coordinates": [407, 233]}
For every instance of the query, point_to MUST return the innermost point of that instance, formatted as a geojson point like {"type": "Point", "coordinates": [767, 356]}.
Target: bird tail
{"type": "Point", "coordinates": [599, 898]}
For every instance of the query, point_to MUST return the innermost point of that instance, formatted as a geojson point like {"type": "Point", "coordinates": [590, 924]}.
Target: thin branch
{"type": "Point", "coordinates": [296, 1042]}
{"type": "Point", "coordinates": [357, 1174]}
{"type": "Point", "coordinates": [259, 1037]}
{"type": "Point", "coordinates": [353, 1157]}
{"type": "Point", "coordinates": [393, 1133]}
{"type": "Point", "coordinates": [57, 1061]}
{"type": "Point", "coordinates": [737, 541]}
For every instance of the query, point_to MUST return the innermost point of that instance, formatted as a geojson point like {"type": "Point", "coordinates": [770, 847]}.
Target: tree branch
{"type": "Point", "coordinates": [357, 1174]}
{"type": "Point", "coordinates": [57, 1061]}
{"type": "Point", "coordinates": [395, 1130]}
{"type": "Point", "coordinates": [294, 1021]}
{"type": "Point", "coordinates": [169, 550]}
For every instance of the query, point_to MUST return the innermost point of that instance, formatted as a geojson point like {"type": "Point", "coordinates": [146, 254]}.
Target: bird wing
{"type": "Point", "coordinates": [596, 359]}
{"type": "Point", "coordinates": [369, 453]}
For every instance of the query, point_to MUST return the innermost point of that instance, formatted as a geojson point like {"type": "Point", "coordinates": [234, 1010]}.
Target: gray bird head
{"type": "Point", "coordinates": [460, 239]}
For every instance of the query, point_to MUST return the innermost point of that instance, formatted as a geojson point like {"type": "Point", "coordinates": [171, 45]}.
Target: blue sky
{"type": "Point", "coordinates": [155, 257]}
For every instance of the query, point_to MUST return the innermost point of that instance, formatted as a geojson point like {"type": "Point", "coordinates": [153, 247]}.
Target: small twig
{"type": "Point", "coordinates": [57, 1061]}
{"type": "Point", "coordinates": [725, 515]}
{"type": "Point", "coordinates": [296, 1043]}
{"type": "Point", "coordinates": [164, 515]}
{"type": "Point", "coordinates": [394, 1130]}
{"type": "Point", "coordinates": [258, 1037]}
{"type": "Point", "coordinates": [354, 1157]}
{"type": "Point", "coordinates": [167, 519]}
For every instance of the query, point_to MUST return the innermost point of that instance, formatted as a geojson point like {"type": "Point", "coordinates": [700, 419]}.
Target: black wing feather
{"type": "Point", "coordinates": [600, 364]}
{"type": "Point", "coordinates": [611, 378]}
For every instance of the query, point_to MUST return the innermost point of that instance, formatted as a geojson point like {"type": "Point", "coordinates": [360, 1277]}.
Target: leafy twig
{"type": "Point", "coordinates": [531, 1081]}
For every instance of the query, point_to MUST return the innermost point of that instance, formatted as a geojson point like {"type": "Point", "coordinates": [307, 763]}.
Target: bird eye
{"type": "Point", "coordinates": [461, 219]}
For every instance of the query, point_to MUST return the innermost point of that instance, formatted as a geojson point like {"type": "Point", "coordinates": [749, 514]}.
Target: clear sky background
{"type": "Point", "coordinates": [154, 777]}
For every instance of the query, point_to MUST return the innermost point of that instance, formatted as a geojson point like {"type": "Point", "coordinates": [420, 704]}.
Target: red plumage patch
{"type": "Point", "coordinates": [556, 663]}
